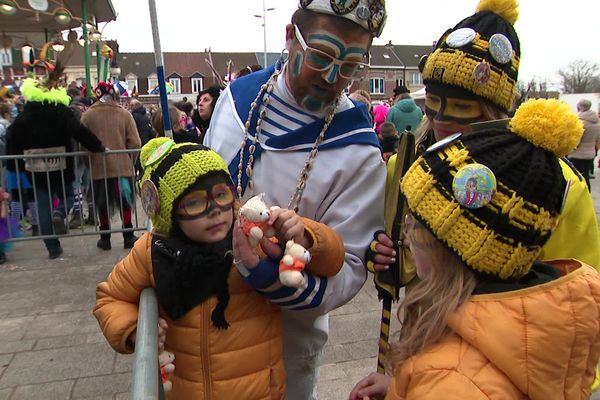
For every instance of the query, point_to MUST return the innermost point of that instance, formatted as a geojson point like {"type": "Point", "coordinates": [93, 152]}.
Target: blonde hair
{"type": "Point", "coordinates": [427, 306]}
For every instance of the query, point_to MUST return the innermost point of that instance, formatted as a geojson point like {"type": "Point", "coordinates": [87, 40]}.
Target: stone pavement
{"type": "Point", "coordinates": [51, 346]}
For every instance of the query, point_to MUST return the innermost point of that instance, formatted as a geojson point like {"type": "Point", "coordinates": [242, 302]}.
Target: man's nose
{"type": "Point", "coordinates": [330, 75]}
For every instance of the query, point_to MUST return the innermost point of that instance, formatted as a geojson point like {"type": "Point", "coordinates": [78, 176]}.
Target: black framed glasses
{"type": "Point", "coordinates": [197, 203]}
{"type": "Point", "coordinates": [318, 60]}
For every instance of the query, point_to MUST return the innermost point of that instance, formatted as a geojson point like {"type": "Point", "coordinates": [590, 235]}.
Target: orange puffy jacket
{"type": "Point", "coordinates": [242, 362]}
{"type": "Point", "coordinates": [538, 343]}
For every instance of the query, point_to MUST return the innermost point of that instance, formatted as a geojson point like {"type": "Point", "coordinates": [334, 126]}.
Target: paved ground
{"type": "Point", "coordinates": [51, 347]}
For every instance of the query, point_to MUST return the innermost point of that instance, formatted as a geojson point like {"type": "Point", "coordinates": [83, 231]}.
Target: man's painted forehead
{"type": "Point", "coordinates": [341, 47]}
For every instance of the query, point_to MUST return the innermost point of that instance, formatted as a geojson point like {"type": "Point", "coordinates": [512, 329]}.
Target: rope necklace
{"type": "Point", "coordinates": [264, 93]}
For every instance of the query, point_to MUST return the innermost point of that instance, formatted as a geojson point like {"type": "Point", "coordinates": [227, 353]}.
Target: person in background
{"type": "Point", "coordinates": [380, 112]}
{"type": "Point", "coordinates": [47, 125]}
{"type": "Point", "coordinates": [247, 70]}
{"type": "Point", "coordinates": [389, 142]}
{"type": "Point", "coordinates": [488, 319]}
{"type": "Point", "coordinates": [178, 126]}
{"type": "Point", "coordinates": [291, 132]}
{"type": "Point", "coordinates": [112, 175]}
{"type": "Point", "coordinates": [583, 156]}
{"type": "Point", "coordinates": [142, 121]}
{"type": "Point", "coordinates": [205, 103]}
{"type": "Point", "coordinates": [404, 114]}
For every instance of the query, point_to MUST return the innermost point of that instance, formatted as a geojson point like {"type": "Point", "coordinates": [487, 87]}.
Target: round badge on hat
{"type": "Point", "coordinates": [444, 142]}
{"type": "Point", "coordinates": [343, 6]}
{"type": "Point", "coordinates": [377, 17]}
{"type": "Point", "coordinates": [460, 37]}
{"type": "Point", "coordinates": [150, 198]}
{"type": "Point", "coordinates": [500, 48]}
{"type": "Point", "coordinates": [159, 153]}
{"type": "Point", "coordinates": [363, 13]}
{"type": "Point", "coordinates": [482, 73]}
{"type": "Point", "coordinates": [474, 185]}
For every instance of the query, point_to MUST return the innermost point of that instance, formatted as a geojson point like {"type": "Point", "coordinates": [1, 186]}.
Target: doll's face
{"type": "Point", "coordinates": [205, 215]}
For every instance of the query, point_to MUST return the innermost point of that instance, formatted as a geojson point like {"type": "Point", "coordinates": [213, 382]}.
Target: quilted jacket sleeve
{"type": "Point", "coordinates": [444, 384]}
{"type": "Point", "coordinates": [327, 252]}
{"type": "Point", "coordinates": [117, 298]}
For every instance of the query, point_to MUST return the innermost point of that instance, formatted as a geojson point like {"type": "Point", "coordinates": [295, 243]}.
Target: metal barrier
{"type": "Point", "coordinates": [146, 383]}
{"type": "Point", "coordinates": [27, 188]}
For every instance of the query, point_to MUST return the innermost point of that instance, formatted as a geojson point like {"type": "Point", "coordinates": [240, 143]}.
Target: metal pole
{"type": "Point", "coordinates": [145, 364]}
{"type": "Point", "coordinates": [86, 50]}
{"type": "Point", "coordinates": [265, 32]}
{"type": "Point", "coordinates": [160, 69]}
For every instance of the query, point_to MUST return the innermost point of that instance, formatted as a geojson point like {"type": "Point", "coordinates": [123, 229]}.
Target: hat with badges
{"type": "Point", "coordinates": [169, 170]}
{"type": "Point", "coordinates": [369, 14]}
{"type": "Point", "coordinates": [479, 57]}
{"type": "Point", "coordinates": [494, 197]}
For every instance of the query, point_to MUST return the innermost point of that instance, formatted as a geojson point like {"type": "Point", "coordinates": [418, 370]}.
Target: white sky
{"type": "Point", "coordinates": [552, 32]}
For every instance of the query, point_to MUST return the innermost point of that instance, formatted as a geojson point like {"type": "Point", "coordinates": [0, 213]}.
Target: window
{"type": "Point", "coordinates": [416, 78]}
{"type": "Point", "coordinates": [176, 83]}
{"type": "Point", "coordinates": [132, 83]}
{"type": "Point", "coordinates": [5, 57]}
{"type": "Point", "coordinates": [197, 85]}
{"type": "Point", "coordinates": [376, 86]}
{"type": "Point", "coordinates": [152, 84]}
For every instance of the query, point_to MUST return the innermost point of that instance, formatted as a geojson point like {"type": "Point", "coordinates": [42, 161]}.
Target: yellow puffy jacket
{"type": "Point", "coordinates": [241, 362]}
{"type": "Point", "coordinates": [538, 343]}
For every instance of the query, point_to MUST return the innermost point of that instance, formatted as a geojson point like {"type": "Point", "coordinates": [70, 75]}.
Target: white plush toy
{"type": "Point", "coordinates": [254, 215]}
{"type": "Point", "coordinates": [165, 360]}
{"type": "Point", "coordinates": [292, 264]}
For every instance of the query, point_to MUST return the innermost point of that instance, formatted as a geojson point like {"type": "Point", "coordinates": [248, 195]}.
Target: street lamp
{"type": "Point", "coordinates": [264, 18]}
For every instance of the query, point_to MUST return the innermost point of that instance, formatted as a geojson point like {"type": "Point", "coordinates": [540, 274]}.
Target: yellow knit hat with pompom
{"type": "Point", "coordinates": [478, 58]}
{"type": "Point", "coordinates": [504, 236]}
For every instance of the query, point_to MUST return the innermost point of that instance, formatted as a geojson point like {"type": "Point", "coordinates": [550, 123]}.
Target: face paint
{"type": "Point", "coordinates": [450, 115]}
{"type": "Point", "coordinates": [312, 103]}
{"type": "Point", "coordinates": [445, 108]}
{"type": "Point", "coordinates": [314, 77]}
{"type": "Point", "coordinates": [297, 65]}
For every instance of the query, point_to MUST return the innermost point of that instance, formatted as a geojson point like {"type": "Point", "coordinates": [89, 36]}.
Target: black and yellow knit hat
{"type": "Point", "coordinates": [169, 171]}
{"type": "Point", "coordinates": [519, 189]}
{"type": "Point", "coordinates": [479, 57]}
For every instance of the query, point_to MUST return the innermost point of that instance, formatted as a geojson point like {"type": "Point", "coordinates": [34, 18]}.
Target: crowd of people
{"type": "Point", "coordinates": [499, 243]}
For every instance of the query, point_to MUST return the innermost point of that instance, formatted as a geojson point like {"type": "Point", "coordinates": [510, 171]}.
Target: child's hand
{"type": "Point", "coordinates": [380, 253]}
{"type": "Point", "coordinates": [243, 252]}
{"type": "Point", "coordinates": [288, 226]}
{"type": "Point", "coordinates": [162, 333]}
{"type": "Point", "coordinates": [372, 387]}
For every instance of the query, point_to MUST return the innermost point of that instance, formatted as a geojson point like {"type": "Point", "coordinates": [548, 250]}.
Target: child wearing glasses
{"type": "Point", "coordinates": [226, 337]}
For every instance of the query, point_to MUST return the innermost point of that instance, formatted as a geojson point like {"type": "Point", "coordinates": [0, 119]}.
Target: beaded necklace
{"type": "Point", "coordinates": [264, 93]}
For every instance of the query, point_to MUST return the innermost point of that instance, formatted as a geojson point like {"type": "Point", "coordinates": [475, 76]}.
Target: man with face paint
{"type": "Point", "coordinates": [465, 86]}
{"type": "Point", "coordinates": [290, 132]}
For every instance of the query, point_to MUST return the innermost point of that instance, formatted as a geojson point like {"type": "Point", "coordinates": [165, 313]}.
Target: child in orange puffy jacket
{"type": "Point", "coordinates": [488, 320]}
{"type": "Point", "coordinates": [225, 336]}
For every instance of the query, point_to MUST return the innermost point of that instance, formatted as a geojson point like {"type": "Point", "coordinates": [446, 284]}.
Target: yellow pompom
{"type": "Point", "coordinates": [149, 147]}
{"type": "Point", "coordinates": [549, 124]}
{"type": "Point", "coordinates": [507, 9]}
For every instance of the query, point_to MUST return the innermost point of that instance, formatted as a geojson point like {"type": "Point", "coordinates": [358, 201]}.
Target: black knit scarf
{"type": "Point", "coordinates": [187, 273]}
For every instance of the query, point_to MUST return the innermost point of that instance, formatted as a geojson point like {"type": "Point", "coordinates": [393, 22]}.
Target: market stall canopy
{"type": "Point", "coordinates": [25, 20]}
